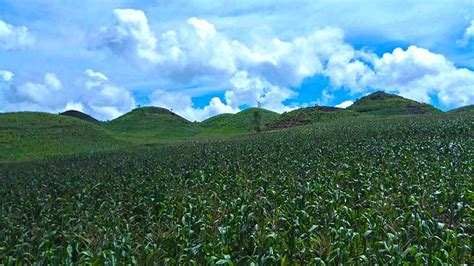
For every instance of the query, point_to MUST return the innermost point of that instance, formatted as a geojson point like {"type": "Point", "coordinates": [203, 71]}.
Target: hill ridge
{"type": "Point", "coordinates": [382, 103]}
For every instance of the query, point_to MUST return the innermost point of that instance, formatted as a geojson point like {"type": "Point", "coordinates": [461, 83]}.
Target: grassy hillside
{"type": "Point", "coordinates": [309, 115]}
{"type": "Point", "coordinates": [381, 103]}
{"type": "Point", "coordinates": [373, 190]}
{"type": "Point", "coordinates": [242, 122]}
{"type": "Point", "coordinates": [151, 124]}
{"type": "Point", "coordinates": [80, 115]}
{"type": "Point", "coordinates": [465, 109]}
{"type": "Point", "coordinates": [29, 135]}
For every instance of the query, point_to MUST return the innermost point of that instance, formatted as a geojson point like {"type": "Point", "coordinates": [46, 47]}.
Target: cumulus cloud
{"type": "Point", "coordinates": [251, 91]}
{"type": "Point", "coordinates": [261, 73]}
{"type": "Point", "coordinates": [77, 106]}
{"type": "Point", "coordinates": [182, 105]}
{"type": "Point", "coordinates": [129, 35]}
{"type": "Point", "coordinates": [325, 98]}
{"type": "Point", "coordinates": [95, 75]}
{"type": "Point", "coordinates": [6, 75]}
{"type": "Point", "coordinates": [95, 95]}
{"type": "Point", "coordinates": [14, 37]}
{"type": "Point", "coordinates": [468, 35]}
{"type": "Point", "coordinates": [43, 95]}
{"type": "Point", "coordinates": [264, 71]}
{"type": "Point", "coordinates": [5, 79]}
{"type": "Point", "coordinates": [419, 74]}
{"type": "Point", "coordinates": [246, 91]}
{"type": "Point", "coordinates": [345, 104]}
{"type": "Point", "coordinates": [104, 99]}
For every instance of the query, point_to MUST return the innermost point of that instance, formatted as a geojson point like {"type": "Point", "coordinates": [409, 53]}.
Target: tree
{"type": "Point", "coordinates": [257, 119]}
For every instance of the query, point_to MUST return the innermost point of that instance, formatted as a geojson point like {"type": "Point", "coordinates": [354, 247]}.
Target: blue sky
{"type": "Point", "coordinates": [202, 58]}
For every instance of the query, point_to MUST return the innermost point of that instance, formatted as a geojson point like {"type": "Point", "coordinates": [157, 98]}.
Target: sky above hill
{"type": "Point", "coordinates": [202, 58]}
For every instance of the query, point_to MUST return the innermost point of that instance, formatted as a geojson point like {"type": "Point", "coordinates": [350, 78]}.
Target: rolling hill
{"type": "Point", "coordinates": [309, 115]}
{"type": "Point", "coordinates": [381, 103]}
{"type": "Point", "coordinates": [29, 135]}
{"type": "Point", "coordinates": [151, 123]}
{"type": "Point", "coordinates": [80, 115]}
{"type": "Point", "coordinates": [465, 109]}
{"type": "Point", "coordinates": [241, 122]}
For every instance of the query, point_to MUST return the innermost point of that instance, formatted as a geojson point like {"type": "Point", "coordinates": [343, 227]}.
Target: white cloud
{"type": "Point", "coordinates": [182, 105]}
{"type": "Point", "coordinates": [52, 81]}
{"type": "Point", "coordinates": [95, 75]}
{"type": "Point", "coordinates": [96, 96]}
{"type": "Point", "coordinates": [6, 75]}
{"type": "Point", "coordinates": [129, 34]}
{"type": "Point", "coordinates": [345, 104]}
{"type": "Point", "coordinates": [250, 91]}
{"type": "Point", "coordinates": [42, 95]}
{"type": "Point", "coordinates": [468, 35]}
{"type": "Point", "coordinates": [104, 99]}
{"type": "Point", "coordinates": [325, 98]}
{"type": "Point", "coordinates": [204, 29]}
{"type": "Point", "coordinates": [77, 106]}
{"type": "Point", "coordinates": [264, 72]}
{"type": "Point", "coordinates": [266, 69]}
{"type": "Point", "coordinates": [175, 101]}
{"type": "Point", "coordinates": [5, 79]}
{"type": "Point", "coordinates": [419, 74]}
{"type": "Point", "coordinates": [14, 37]}
{"type": "Point", "coordinates": [246, 91]}
{"type": "Point", "coordinates": [197, 49]}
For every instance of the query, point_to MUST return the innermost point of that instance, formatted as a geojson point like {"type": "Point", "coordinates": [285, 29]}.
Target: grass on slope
{"type": "Point", "coordinates": [80, 115]}
{"type": "Point", "coordinates": [29, 135]}
{"type": "Point", "coordinates": [242, 122]}
{"type": "Point", "coordinates": [464, 109]}
{"type": "Point", "coordinates": [381, 103]}
{"type": "Point", "coordinates": [309, 115]}
{"type": "Point", "coordinates": [151, 124]}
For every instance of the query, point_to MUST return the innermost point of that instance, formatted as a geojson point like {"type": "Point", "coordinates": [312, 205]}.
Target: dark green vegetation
{"type": "Point", "coordinates": [158, 125]}
{"type": "Point", "coordinates": [309, 115]}
{"type": "Point", "coordinates": [28, 135]}
{"type": "Point", "coordinates": [80, 115]}
{"type": "Point", "coordinates": [381, 103]}
{"type": "Point", "coordinates": [242, 122]}
{"type": "Point", "coordinates": [380, 190]}
{"type": "Point", "coordinates": [151, 123]}
{"type": "Point", "coordinates": [464, 109]}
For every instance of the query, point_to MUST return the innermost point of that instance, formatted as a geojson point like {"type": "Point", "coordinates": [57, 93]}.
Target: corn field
{"type": "Point", "coordinates": [388, 191]}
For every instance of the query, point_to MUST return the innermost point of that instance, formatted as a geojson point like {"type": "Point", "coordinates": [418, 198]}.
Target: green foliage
{"type": "Point", "coordinates": [151, 124]}
{"type": "Point", "coordinates": [80, 115]}
{"type": "Point", "coordinates": [391, 190]}
{"type": "Point", "coordinates": [29, 135]}
{"type": "Point", "coordinates": [257, 120]}
{"type": "Point", "coordinates": [381, 103]}
{"type": "Point", "coordinates": [242, 122]}
{"type": "Point", "coordinates": [465, 109]}
{"type": "Point", "coordinates": [310, 115]}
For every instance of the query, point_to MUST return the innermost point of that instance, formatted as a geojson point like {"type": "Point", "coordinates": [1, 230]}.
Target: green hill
{"type": "Point", "coordinates": [309, 115]}
{"type": "Point", "coordinates": [381, 103]}
{"type": "Point", "coordinates": [464, 109]}
{"type": "Point", "coordinates": [29, 135]}
{"type": "Point", "coordinates": [242, 122]}
{"type": "Point", "coordinates": [80, 115]}
{"type": "Point", "coordinates": [150, 124]}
